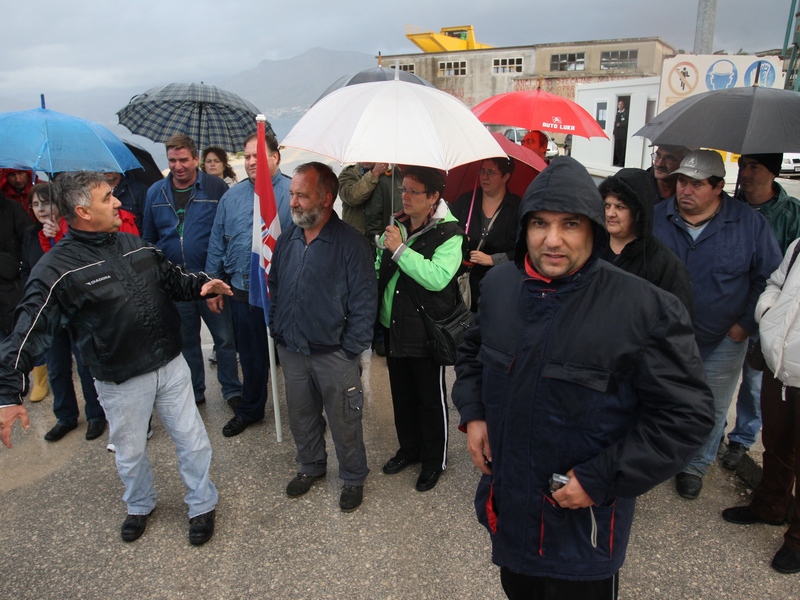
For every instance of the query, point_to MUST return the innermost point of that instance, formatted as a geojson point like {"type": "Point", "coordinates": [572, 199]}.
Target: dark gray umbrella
{"type": "Point", "coordinates": [749, 120]}
{"type": "Point", "coordinates": [207, 114]}
{"type": "Point", "coordinates": [374, 74]}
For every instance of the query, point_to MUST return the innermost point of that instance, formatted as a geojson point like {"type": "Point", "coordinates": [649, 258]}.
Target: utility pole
{"type": "Point", "coordinates": [704, 30]}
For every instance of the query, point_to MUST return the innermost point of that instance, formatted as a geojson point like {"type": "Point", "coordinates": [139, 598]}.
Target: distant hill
{"type": "Point", "coordinates": [282, 89]}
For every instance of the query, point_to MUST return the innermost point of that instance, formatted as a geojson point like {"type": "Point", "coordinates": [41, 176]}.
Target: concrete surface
{"type": "Point", "coordinates": [61, 511]}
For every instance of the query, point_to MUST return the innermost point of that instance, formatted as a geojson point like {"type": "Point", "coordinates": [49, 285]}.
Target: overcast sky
{"type": "Point", "coordinates": [68, 45]}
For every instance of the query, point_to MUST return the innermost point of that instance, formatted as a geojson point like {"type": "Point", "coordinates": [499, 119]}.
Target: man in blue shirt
{"type": "Point", "coordinates": [229, 254]}
{"type": "Point", "coordinates": [730, 251]}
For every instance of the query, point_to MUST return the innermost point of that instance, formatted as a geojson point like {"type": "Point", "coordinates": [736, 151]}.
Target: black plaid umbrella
{"type": "Point", "coordinates": [209, 115]}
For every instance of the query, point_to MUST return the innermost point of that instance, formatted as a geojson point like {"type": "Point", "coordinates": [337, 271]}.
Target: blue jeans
{"type": "Point", "coordinates": [251, 333]}
{"type": "Point", "coordinates": [128, 407]}
{"type": "Point", "coordinates": [221, 328]}
{"type": "Point", "coordinates": [723, 364]}
{"type": "Point", "coordinates": [59, 369]}
{"type": "Point", "coordinates": [748, 405]}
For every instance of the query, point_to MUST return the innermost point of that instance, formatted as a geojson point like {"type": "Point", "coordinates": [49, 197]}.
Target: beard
{"type": "Point", "coordinates": [307, 219]}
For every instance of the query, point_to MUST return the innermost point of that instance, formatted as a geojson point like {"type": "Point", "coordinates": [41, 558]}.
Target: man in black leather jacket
{"type": "Point", "coordinates": [115, 294]}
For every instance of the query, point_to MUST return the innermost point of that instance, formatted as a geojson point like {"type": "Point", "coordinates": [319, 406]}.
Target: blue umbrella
{"type": "Point", "coordinates": [53, 142]}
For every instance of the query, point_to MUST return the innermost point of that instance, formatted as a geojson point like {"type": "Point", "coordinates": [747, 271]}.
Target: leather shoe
{"type": "Point", "coordinates": [786, 560]}
{"type": "Point", "coordinates": [427, 479]}
{"type": "Point", "coordinates": [688, 485]}
{"type": "Point", "coordinates": [395, 465]}
{"type": "Point", "coordinates": [58, 431]}
{"type": "Point", "coordinates": [742, 515]}
{"type": "Point", "coordinates": [133, 527]}
{"type": "Point", "coordinates": [301, 484]}
{"type": "Point", "coordinates": [234, 401]}
{"type": "Point", "coordinates": [351, 497]}
{"type": "Point", "coordinates": [200, 400]}
{"type": "Point", "coordinates": [95, 429]}
{"type": "Point", "coordinates": [733, 455]}
{"type": "Point", "coordinates": [201, 528]}
{"type": "Point", "coordinates": [235, 426]}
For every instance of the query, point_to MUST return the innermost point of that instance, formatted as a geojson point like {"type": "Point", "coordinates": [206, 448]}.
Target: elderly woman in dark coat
{"type": "Point", "coordinates": [632, 246]}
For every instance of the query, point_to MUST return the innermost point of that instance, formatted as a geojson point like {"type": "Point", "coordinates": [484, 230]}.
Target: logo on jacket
{"type": "Point", "coordinates": [98, 280]}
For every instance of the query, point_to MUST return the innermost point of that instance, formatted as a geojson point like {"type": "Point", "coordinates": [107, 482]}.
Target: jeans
{"type": "Point", "coordinates": [333, 382]}
{"type": "Point", "coordinates": [748, 405]}
{"type": "Point", "coordinates": [221, 328]}
{"type": "Point", "coordinates": [723, 364]}
{"type": "Point", "coordinates": [59, 368]}
{"type": "Point", "coordinates": [128, 407]}
{"type": "Point", "coordinates": [251, 332]}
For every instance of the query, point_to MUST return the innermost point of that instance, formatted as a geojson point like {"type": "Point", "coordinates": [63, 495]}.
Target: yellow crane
{"type": "Point", "coordinates": [449, 39]}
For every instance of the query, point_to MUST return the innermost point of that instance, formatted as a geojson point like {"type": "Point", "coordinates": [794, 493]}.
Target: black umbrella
{"type": "Point", "coordinates": [149, 173]}
{"type": "Point", "coordinates": [209, 115]}
{"type": "Point", "coordinates": [374, 74]}
{"type": "Point", "coordinates": [749, 120]}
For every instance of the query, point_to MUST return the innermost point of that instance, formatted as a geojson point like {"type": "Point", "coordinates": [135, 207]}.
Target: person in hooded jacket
{"type": "Point", "coordinates": [615, 399]}
{"type": "Point", "coordinates": [632, 246]}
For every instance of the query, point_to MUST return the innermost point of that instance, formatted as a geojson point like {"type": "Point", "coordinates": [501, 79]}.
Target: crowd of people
{"type": "Point", "coordinates": [611, 329]}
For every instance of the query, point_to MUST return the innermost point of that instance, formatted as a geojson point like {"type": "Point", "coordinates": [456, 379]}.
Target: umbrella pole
{"type": "Point", "coordinates": [273, 369]}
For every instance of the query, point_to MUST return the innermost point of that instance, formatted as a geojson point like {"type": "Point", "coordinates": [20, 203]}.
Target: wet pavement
{"type": "Point", "coordinates": [61, 511]}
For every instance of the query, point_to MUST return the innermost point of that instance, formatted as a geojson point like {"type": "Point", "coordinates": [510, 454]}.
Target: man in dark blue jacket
{"type": "Point", "coordinates": [730, 251]}
{"type": "Point", "coordinates": [579, 369]}
{"type": "Point", "coordinates": [178, 217]}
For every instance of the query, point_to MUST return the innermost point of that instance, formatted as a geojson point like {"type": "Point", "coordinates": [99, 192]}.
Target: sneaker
{"type": "Point", "coordinates": [351, 497]}
{"type": "Point", "coordinates": [786, 560]}
{"type": "Point", "coordinates": [301, 484]}
{"type": "Point", "coordinates": [111, 447]}
{"type": "Point", "coordinates": [733, 455]}
{"type": "Point", "coordinates": [201, 528]}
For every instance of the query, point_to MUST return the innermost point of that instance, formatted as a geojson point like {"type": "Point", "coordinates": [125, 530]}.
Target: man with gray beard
{"type": "Point", "coordinates": [323, 300]}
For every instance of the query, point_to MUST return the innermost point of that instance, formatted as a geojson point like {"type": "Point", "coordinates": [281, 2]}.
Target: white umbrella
{"type": "Point", "coordinates": [393, 122]}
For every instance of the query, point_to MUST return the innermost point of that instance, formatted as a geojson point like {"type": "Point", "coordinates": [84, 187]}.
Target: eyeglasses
{"type": "Point", "coordinates": [411, 192]}
{"type": "Point", "coordinates": [666, 158]}
{"type": "Point", "coordinates": [489, 172]}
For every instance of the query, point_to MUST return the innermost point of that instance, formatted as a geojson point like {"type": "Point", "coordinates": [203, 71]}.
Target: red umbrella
{"type": "Point", "coordinates": [536, 109]}
{"type": "Point", "coordinates": [464, 178]}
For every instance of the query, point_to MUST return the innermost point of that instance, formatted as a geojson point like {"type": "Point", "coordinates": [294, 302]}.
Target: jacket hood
{"type": "Point", "coordinates": [632, 186]}
{"type": "Point", "coordinates": [564, 186]}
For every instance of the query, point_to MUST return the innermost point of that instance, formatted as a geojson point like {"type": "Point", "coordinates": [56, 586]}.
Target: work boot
{"type": "Point", "coordinates": [41, 385]}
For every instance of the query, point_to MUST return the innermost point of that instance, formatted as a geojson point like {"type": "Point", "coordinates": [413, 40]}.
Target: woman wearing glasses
{"type": "Point", "coordinates": [489, 216]}
{"type": "Point", "coordinates": [418, 258]}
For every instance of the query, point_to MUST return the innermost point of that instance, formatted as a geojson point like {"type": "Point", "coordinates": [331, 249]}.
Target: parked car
{"type": "Point", "coordinates": [791, 164]}
{"type": "Point", "coordinates": [515, 134]}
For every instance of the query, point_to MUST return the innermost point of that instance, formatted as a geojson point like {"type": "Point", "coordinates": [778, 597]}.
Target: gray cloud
{"type": "Point", "coordinates": [63, 45]}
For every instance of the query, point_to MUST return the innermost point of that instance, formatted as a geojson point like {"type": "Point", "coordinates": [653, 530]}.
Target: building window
{"type": "Point", "coordinates": [506, 65]}
{"type": "Point", "coordinates": [574, 61]}
{"type": "Point", "coordinates": [453, 68]}
{"type": "Point", "coordinates": [619, 59]}
{"type": "Point", "coordinates": [601, 113]}
{"type": "Point", "coordinates": [409, 67]}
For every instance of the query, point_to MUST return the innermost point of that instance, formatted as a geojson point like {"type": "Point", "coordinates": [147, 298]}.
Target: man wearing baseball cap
{"type": "Point", "coordinates": [730, 251]}
{"type": "Point", "coordinates": [757, 187]}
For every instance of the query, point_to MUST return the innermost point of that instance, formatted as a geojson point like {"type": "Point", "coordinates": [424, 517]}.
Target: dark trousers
{"type": "Point", "coordinates": [525, 587]}
{"type": "Point", "coordinates": [781, 437]}
{"type": "Point", "coordinates": [251, 335]}
{"type": "Point", "coordinates": [59, 369]}
{"type": "Point", "coordinates": [419, 399]}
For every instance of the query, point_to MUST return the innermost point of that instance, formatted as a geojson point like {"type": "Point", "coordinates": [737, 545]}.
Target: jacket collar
{"type": "Point", "coordinates": [93, 238]}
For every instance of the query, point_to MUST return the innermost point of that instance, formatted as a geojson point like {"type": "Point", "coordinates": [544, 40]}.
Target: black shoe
{"type": "Point", "coordinates": [380, 348]}
{"type": "Point", "coordinates": [95, 429]}
{"type": "Point", "coordinates": [235, 426]}
{"type": "Point", "coordinates": [688, 485]}
{"type": "Point", "coordinates": [234, 401]}
{"type": "Point", "coordinates": [351, 497]}
{"type": "Point", "coordinates": [786, 560]}
{"type": "Point", "coordinates": [58, 431]}
{"type": "Point", "coordinates": [427, 479]}
{"type": "Point", "coordinates": [742, 515]}
{"type": "Point", "coordinates": [200, 400]}
{"type": "Point", "coordinates": [733, 455]}
{"type": "Point", "coordinates": [201, 528]}
{"type": "Point", "coordinates": [133, 527]}
{"type": "Point", "coordinates": [301, 484]}
{"type": "Point", "coordinates": [395, 465]}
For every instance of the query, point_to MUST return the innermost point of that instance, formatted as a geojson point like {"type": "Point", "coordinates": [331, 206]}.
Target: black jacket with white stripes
{"type": "Point", "coordinates": [114, 293]}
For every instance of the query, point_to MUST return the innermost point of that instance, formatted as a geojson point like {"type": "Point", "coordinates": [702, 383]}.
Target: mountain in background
{"type": "Point", "coordinates": [282, 89]}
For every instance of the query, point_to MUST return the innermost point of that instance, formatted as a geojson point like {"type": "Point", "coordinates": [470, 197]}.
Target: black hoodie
{"type": "Point", "coordinates": [646, 256]}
